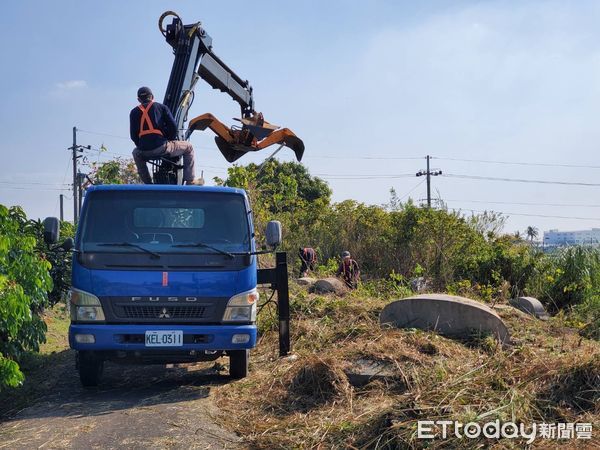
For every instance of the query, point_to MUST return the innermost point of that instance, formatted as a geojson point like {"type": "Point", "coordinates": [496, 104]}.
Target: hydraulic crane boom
{"type": "Point", "coordinates": [195, 59]}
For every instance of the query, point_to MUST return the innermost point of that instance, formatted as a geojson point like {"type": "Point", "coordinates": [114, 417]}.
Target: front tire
{"type": "Point", "coordinates": [238, 363]}
{"type": "Point", "coordinates": [90, 368]}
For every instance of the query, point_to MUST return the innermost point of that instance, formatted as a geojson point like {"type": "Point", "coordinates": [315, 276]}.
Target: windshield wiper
{"type": "Point", "coordinates": [203, 245]}
{"type": "Point", "coordinates": [129, 244]}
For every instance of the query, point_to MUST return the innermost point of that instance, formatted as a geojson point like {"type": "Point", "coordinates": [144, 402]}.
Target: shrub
{"type": "Point", "coordinates": [567, 278]}
{"type": "Point", "coordinates": [24, 285]}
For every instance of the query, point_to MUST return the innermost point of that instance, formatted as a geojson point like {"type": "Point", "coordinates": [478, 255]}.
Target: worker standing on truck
{"type": "Point", "coordinates": [349, 270]}
{"type": "Point", "coordinates": [308, 260]}
{"type": "Point", "coordinates": [154, 132]}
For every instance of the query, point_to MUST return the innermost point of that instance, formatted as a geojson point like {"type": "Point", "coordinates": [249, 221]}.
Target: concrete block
{"type": "Point", "coordinates": [447, 314]}
{"type": "Point", "coordinates": [531, 306]}
{"type": "Point", "coordinates": [329, 286]}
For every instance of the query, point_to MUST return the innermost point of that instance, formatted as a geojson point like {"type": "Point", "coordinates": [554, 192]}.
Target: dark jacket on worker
{"type": "Point", "coordinates": [308, 258]}
{"type": "Point", "coordinates": [161, 118]}
{"type": "Point", "coordinates": [350, 272]}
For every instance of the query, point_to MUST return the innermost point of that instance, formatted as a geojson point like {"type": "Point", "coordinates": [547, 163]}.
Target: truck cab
{"type": "Point", "coordinates": [164, 274]}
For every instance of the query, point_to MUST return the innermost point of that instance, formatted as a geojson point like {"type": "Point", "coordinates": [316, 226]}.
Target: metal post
{"type": "Point", "coordinates": [283, 303]}
{"type": "Point", "coordinates": [62, 210]}
{"type": "Point", "coordinates": [74, 148]}
{"type": "Point", "coordinates": [428, 184]}
{"type": "Point", "coordinates": [428, 173]}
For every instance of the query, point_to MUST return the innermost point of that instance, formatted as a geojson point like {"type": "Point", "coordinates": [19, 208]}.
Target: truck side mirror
{"type": "Point", "coordinates": [51, 230]}
{"type": "Point", "coordinates": [68, 245]}
{"type": "Point", "coordinates": [273, 233]}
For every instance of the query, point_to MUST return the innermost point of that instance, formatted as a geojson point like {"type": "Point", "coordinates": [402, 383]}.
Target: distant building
{"type": "Point", "coordinates": [555, 238]}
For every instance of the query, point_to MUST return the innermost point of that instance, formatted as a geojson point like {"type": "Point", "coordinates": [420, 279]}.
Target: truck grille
{"type": "Point", "coordinates": [163, 312]}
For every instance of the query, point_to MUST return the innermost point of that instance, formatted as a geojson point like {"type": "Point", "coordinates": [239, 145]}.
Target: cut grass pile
{"type": "Point", "coordinates": [548, 373]}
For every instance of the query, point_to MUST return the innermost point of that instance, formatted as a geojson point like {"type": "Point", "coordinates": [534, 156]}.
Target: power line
{"type": "Point", "coordinates": [19, 188]}
{"type": "Point", "coordinates": [580, 205]}
{"type": "Point", "coordinates": [521, 180]}
{"type": "Point", "coordinates": [391, 175]}
{"type": "Point", "coordinates": [364, 157]}
{"type": "Point", "coordinates": [362, 177]}
{"type": "Point", "coordinates": [518, 163]}
{"type": "Point", "coordinates": [98, 133]}
{"type": "Point", "coordinates": [34, 183]}
{"type": "Point", "coordinates": [412, 190]}
{"type": "Point", "coordinates": [528, 215]}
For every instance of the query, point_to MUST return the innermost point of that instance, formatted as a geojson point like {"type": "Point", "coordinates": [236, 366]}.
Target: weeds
{"type": "Point", "coordinates": [548, 372]}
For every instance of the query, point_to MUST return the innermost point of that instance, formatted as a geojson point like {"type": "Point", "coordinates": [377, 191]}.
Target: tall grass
{"type": "Point", "coordinates": [567, 278]}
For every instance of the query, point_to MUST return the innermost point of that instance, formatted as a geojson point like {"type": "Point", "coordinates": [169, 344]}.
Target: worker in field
{"type": "Point", "coordinates": [154, 132]}
{"type": "Point", "coordinates": [349, 270]}
{"type": "Point", "coordinates": [308, 260]}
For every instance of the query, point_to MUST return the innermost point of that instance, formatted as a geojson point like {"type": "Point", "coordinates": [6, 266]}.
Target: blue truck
{"type": "Point", "coordinates": [163, 274]}
{"type": "Point", "coordinates": [167, 273]}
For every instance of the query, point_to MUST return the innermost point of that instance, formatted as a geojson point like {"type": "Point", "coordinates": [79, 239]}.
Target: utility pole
{"type": "Point", "coordinates": [74, 148]}
{"type": "Point", "coordinates": [429, 173]}
{"type": "Point", "coordinates": [62, 210]}
{"type": "Point", "coordinates": [77, 194]}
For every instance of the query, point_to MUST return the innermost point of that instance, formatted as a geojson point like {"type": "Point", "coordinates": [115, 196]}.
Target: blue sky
{"type": "Point", "coordinates": [363, 83]}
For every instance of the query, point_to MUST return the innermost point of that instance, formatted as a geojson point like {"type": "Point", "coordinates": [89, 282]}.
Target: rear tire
{"type": "Point", "coordinates": [90, 368]}
{"type": "Point", "coordinates": [238, 363]}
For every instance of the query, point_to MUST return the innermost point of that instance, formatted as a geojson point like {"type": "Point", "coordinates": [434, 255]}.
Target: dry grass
{"type": "Point", "coordinates": [548, 373]}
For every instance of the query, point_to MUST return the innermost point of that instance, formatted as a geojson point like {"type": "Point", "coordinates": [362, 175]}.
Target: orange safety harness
{"type": "Point", "coordinates": [145, 119]}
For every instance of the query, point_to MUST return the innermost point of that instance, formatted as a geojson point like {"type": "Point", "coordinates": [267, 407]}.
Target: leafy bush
{"type": "Point", "coordinates": [117, 171]}
{"type": "Point", "coordinates": [588, 313]}
{"type": "Point", "coordinates": [60, 260]}
{"type": "Point", "coordinates": [442, 246]}
{"type": "Point", "coordinates": [24, 285]}
{"type": "Point", "coordinates": [566, 278]}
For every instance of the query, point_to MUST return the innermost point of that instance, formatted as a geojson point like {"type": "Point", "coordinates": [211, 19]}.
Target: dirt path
{"type": "Point", "coordinates": [134, 407]}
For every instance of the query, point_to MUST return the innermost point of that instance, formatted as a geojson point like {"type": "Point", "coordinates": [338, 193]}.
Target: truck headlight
{"type": "Point", "coordinates": [242, 307]}
{"type": "Point", "coordinates": [85, 307]}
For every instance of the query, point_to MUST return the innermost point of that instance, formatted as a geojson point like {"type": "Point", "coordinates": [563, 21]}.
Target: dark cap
{"type": "Point", "coordinates": [144, 92]}
{"type": "Point", "coordinates": [346, 254]}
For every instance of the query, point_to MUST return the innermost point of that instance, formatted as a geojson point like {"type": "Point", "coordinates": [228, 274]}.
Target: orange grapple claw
{"type": "Point", "coordinates": [255, 134]}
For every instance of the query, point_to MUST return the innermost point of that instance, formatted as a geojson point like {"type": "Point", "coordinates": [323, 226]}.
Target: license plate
{"type": "Point", "coordinates": [164, 338]}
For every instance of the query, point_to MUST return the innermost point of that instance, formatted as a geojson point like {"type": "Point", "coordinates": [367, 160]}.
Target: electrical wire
{"type": "Point", "coordinates": [17, 188]}
{"type": "Point", "coordinates": [98, 133]}
{"type": "Point", "coordinates": [525, 214]}
{"type": "Point", "coordinates": [34, 183]}
{"type": "Point", "coordinates": [413, 189]}
{"type": "Point", "coordinates": [518, 163]}
{"type": "Point", "coordinates": [365, 157]}
{"type": "Point", "coordinates": [562, 205]}
{"type": "Point", "coordinates": [362, 177]}
{"type": "Point", "coordinates": [521, 180]}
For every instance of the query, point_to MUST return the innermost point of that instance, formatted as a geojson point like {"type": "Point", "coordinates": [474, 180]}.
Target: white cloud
{"type": "Point", "coordinates": [71, 84]}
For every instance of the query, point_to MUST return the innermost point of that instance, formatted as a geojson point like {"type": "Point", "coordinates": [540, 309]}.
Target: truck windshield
{"type": "Point", "coordinates": [164, 222]}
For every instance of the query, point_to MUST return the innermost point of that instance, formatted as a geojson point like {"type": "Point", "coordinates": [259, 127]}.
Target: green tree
{"type": "Point", "coordinates": [60, 260]}
{"type": "Point", "coordinates": [116, 171]}
{"type": "Point", "coordinates": [532, 233]}
{"type": "Point", "coordinates": [286, 192]}
{"type": "Point", "coordinates": [24, 285]}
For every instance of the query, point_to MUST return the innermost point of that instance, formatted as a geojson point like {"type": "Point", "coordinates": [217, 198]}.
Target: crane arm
{"type": "Point", "coordinates": [195, 59]}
